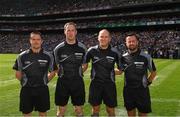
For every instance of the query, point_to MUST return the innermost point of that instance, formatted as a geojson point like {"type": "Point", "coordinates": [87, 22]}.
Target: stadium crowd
{"type": "Point", "coordinates": [161, 44]}
{"type": "Point", "coordinates": [37, 7]}
{"type": "Point", "coordinates": [101, 23]}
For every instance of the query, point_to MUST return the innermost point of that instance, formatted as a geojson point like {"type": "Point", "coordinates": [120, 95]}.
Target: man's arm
{"type": "Point", "coordinates": [84, 67]}
{"type": "Point", "coordinates": [18, 69]}
{"type": "Point", "coordinates": [18, 75]}
{"type": "Point", "coordinates": [53, 71]}
{"type": "Point", "coordinates": [51, 75]}
{"type": "Point", "coordinates": [117, 71]}
{"type": "Point", "coordinates": [152, 76]}
{"type": "Point", "coordinates": [152, 69]}
{"type": "Point", "coordinates": [53, 68]}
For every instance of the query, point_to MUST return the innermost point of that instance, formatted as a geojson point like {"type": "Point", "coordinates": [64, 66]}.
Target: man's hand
{"type": "Point", "coordinates": [19, 75]}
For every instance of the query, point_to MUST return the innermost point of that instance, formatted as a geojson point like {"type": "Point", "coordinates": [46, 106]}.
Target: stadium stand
{"type": "Point", "coordinates": [37, 7]}
{"type": "Point", "coordinates": [157, 22]}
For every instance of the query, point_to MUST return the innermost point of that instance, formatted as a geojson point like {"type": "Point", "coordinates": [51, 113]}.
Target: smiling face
{"type": "Point", "coordinates": [104, 38]}
{"type": "Point", "coordinates": [132, 43]}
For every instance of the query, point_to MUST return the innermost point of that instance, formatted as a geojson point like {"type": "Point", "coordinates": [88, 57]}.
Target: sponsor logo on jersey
{"type": "Point", "coordinates": [96, 57]}
{"type": "Point", "coordinates": [42, 62]}
{"type": "Point", "coordinates": [78, 55]}
{"type": "Point", "coordinates": [139, 65]}
{"type": "Point", "coordinates": [64, 56]}
{"type": "Point", "coordinates": [110, 59]}
{"type": "Point", "coordinates": [27, 62]}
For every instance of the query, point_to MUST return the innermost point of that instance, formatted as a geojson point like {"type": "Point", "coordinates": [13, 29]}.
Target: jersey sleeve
{"type": "Point", "coordinates": [121, 63]}
{"type": "Point", "coordinates": [55, 54]}
{"type": "Point", "coordinates": [151, 65]}
{"type": "Point", "coordinates": [87, 56]}
{"type": "Point", "coordinates": [18, 64]}
{"type": "Point", "coordinates": [52, 64]}
{"type": "Point", "coordinates": [118, 59]}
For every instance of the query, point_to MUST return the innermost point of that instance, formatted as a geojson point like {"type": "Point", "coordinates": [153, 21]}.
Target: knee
{"type": "Point", "coordinates": [96, 109]}
{"type": "Point", "coordinates": [110, 111]}
{"type": "Point", "coordinates": [61, 111]}
{"type": "Point", "coordinates": [78, 110]}
{"type": "Point", "coordinates": [42, 114]}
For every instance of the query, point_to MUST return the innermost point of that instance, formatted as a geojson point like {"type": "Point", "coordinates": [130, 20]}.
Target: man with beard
{"type": "Point", "coordinates": [136, 64]}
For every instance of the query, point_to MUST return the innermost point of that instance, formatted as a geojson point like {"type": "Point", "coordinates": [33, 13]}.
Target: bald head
{"type": "Point", "coordinates": [104, 38]}
{"type": "Point", "coordinates": [105, 31]}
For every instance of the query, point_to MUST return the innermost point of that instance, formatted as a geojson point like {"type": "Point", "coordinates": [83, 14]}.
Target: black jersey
{"type": "Point", "coordinates": [136, 66]}
{"type": "Point", "coordinates": [103, 61]}
{"type": "Point", "coordinates": [69, 58]}
{"type": "Point", "coordinates": [34, 67]}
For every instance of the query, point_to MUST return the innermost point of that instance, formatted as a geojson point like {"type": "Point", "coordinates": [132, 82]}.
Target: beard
{"type": "Point", "coordinates": [133, 48]}
{"type": "Point", "coordinates": [36, 46]}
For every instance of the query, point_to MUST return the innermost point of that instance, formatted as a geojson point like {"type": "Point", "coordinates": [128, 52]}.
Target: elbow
{"type": "Point", "coordinates": [154, 73]}
{"type": "Point", "coordinates": [84, 67]}
{"type": "Point", "coordinates": [18, 77]}
{"type": "Point", "coordinates": [54, 73]}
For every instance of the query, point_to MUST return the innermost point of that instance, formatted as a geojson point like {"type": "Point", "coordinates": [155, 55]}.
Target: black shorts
{"type": "Point", "coordinates": [66, 88]}
{"type": "Point", "coordinates": [137, 98]}
{"type": "Point", "coordinates": [36, 98]}
{"type": "Point", "coordinates": [105, 92]}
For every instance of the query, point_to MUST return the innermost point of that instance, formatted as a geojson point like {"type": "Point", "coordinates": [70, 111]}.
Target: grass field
{"type": "Point", "coordinates": [165, 90]}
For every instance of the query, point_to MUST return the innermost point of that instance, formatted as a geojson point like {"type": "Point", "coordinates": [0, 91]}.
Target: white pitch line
{"type": "Point", "coordinates": [178, 112]}
{"type": "Point", "coordinates": [164, 73]}
{"type": "Point", "coordinates": [165, 100]}
{"type": "Point", "coordinates": [8, 82]}
{"type": "Point", "coordinates": [120, 112]}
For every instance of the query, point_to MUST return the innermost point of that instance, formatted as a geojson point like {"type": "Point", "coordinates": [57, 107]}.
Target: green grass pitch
{"type": "Point", "coordinates": [165, 90]}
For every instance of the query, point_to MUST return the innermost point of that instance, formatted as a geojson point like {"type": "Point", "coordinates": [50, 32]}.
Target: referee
{"type": "Point", "coordinates": [102, 87]}
{"type": "Point", "coordinates": [136, 65]}
{"type": "Point", "coordinates": [69, 57]}
{"type": "Point", "coordinates": [34, 69]}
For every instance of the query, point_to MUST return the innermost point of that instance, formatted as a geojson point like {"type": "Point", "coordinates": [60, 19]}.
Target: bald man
{"type": "Point", "coordinates": [102, 87]}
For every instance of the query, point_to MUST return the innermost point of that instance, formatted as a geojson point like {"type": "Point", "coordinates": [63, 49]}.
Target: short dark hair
{"type": "Point", "coordinates": [132, 34]}
{"type": "Point", "coordinates": [69, 23]}
{"type": "Point", "coordinates": [35, 32]}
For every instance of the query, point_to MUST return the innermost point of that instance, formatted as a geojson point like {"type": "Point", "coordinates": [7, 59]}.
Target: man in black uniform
{"type": "Point", "coordinates": [34, 68]}
{"type": "Point", "coordinates": [69, 57]}
{"type": "Point", "coordinates": [136, 65]}
{"type": "Point", "coordinates": [102, 85]}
